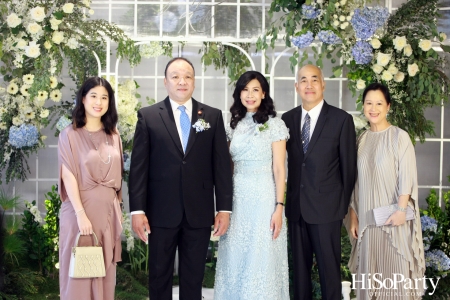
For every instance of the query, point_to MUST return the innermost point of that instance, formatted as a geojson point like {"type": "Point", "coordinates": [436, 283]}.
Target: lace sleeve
{"type": "Point", "coordinates": [229, 131]}
{"type": "Point", "coordinates": [278, 130]}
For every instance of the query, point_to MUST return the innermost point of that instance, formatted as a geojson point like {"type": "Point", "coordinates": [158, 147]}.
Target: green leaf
{"type": "Point", "coordinates": [59, 15]}
{"type": "Point", "coordinates": [446, 48]}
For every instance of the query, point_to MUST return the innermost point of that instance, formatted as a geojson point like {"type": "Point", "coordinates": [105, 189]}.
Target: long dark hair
{"type": "Point", "coordinates": [238, 110]}
{"type": "Point", "coordinates": [109, 119]}
{"type": "Point", "coordinates": [377, 87]}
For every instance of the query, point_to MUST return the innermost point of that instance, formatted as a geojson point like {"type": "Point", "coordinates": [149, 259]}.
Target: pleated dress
{"type": "Point", "coordinates": [100, 185]}
{"type": "Point", "coordinates": [386, 170]}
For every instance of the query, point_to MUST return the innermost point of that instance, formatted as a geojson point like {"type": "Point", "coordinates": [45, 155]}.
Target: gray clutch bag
{"type": "Point", "coordinates": [381, 214]}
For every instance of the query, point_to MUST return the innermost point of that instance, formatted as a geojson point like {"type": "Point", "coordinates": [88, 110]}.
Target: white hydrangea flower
{"type": "Point", "coordinates": [13, 20]}
{"type": "Point", "coordinates": [425, 45]}
{"type": "Point", "coordinates": [407, 50]}
{"type": "Point", "coordinates": [360, 84]}
{"type": "Point", "coordinates": [393, 69]}
{"type": "Point", "coordinates": [68, 8]}
{"type": "Point", "coordinates": [55, 95]}
{"type": "Point", "coordinates": [28, 79]}
{"type": "Point", "coordinates": [37, 13]}
{"type": "Point", "coordinates": [376, 44]}
{"type": "Point", "coordinates": [386, 76]}
{"type": "Point", "coordinates": [32, 50]}
{"type": "Point", "coordinates": [377, 68]}
{"type": "Point", "coordinates": [72, 43]}
{"type": "Point", "coordinates": [399, 43]}
{"type": "Point", "coordinates": [57, 37]}
{"type": "Point", "coordinates": [383, 59]}
{"type": "Point", "coordinates": [399, 77]}
{"type": "Point", "coordinates": [413, 69]}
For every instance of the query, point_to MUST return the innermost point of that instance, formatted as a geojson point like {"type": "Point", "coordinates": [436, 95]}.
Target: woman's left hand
{"type": "Point", "coordinates": [275, 224]}
{"type": "Point", "coordinates": [396, 219]}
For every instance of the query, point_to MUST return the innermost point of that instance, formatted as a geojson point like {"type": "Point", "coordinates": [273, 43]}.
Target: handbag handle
{"type": "Point", "coordinates": [95, 239]}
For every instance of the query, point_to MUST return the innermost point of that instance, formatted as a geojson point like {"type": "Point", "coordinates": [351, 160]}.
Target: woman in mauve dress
{"type": "Point", "coordinates": [386, 175]}
{"type": "Point", "coordinates": [90, 182]}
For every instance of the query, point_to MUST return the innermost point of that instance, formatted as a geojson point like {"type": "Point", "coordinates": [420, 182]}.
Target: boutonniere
{"type": "Point", "coordinates": [201, 125]}
{"type": "Point", "coordinates": [261, 127]}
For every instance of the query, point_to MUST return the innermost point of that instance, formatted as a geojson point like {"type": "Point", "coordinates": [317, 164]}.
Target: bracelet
{"type": "Point", "coordinates": [76, 213]}
{"type": "Point", "coordinates": [402, 209]}
{"type": "Point", "coordinates": [279, 203]}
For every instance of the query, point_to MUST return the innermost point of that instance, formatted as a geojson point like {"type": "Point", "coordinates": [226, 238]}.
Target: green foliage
{"type": "Point", "coordinates": [438, 240]}
{"type": "Point", "coordinates": [21, 281]}
{"type": "Point", "coordinates": [128, 288]}
{"type": "Point", "coordinates": [226, 57]}
{"type": "Point", "coordinates": [138, 257]}
{"type": "Point", "coordinates": [51, 229]}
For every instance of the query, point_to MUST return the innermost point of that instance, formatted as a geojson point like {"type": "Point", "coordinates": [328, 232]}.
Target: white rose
{"type": "Point", "coordinates": [54, 23]}
{"type": "Point", "coordinates": [33, 50]}
{"type": "Point", "coordinates": [425, 45]}
{"type": "Point", "coordinates": [72, 43]}
{"type": "Point", "coordinates": [13, 20]}
{"type": "Point", "coordinates": [87, 3]}
{"type": "Point", "coordinates": [407, 50]}
{"type": "Point", "coordinates": [24, 90]}
{"type": "Point", "coordinates": [442, 36]}
{"type": "Point", "coordinates": [399, 77]}
{"type": "Point", "coordinates": [55, 95]}
{"type": "Point", "coordinates": [383, 59]}
{"type": "Point", "coordinates": [344, 25]}
{"type": "Point", "coordinates": [47, 45]}
{"type": "Point", "coordinates": [57, 37]}
{"type": "Point", "coordinates": [34, 28]}
{"type": "Point", "coordinates": [12, 88]}
{"type": "Point", "coordinates": [386, 76]}
{"type": "Point", "coordinates": [44, 113]}
{"type": "Point", "coordinates": [335, 16]}
{"type": "Point", "coordinates": [360, 122]}
{"type": "Point", "coordinates": [349, 18]}
{"type": "Point", "coordinates": [360, 84]}
{"type": "Point", "coordinates": [21, 44]}
{"type": "Point", "coordinates": [336, 23]}
{"type": "Point", "coordinates": [399, 42]}
{"type": "Point", "coordinates": [53, 82]}
{"type": "Point", "coordinates": [28, 79]}
{"type": "Point", "coordinates": [376, 44]}
{"type": "Point", "coordinates": [413, 69]}
{"type": "Point", "coordinates": [393, 69]}
{"type": "Point", "coordinates": [37, 13]}
{"type": "Point", "coordinates": [68, 8]}
{"type": "Point", "coordinates": [91, 12]}
{"type": "Point", "coordinates": [377, 68]}
{"type": "Point", "coordinates": [342, 18]}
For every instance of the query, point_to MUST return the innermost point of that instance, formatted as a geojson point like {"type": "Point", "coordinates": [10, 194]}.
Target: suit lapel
{"type": "Point", "coordinates": [318, 129]}
{"type": "Point", "coordinates": [196, 107]}
{"type": "Point", "coordinates": [168, 119]}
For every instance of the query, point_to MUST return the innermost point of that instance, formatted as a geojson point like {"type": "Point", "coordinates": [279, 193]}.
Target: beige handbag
{"type": "Point", "coordinates": [382, 214]}
{"type": "Point", "coordinates": [87, 262]}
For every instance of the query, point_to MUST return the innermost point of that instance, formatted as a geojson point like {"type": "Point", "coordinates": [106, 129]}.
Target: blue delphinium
{"type": "Point", "coordinates": [310, 12]}
{"type": "Point", "coordinates": [367, 20]}
{"type": "Point", "coordinates": [438, 260]}
{"type": "Point", "coordinates": [362, 52]}
{"type": "Point", "coordinates": [26, 135]}
{"type": "Point", "coordinates": [428, 223]}
{"type": "Point", "coordinates": [303, 40]}
{"type": "Point", "coordinates": [328, 37]}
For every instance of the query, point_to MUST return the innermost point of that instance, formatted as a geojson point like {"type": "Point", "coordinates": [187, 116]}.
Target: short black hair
{"type": "Point", "coordinates": [109, 119]}
{"type": "Point", "coordinates": [376, 86]}
{"type": "Point", "coordinates": [175, 59]}
{"type": "Point", "coordinates": [238, 110]}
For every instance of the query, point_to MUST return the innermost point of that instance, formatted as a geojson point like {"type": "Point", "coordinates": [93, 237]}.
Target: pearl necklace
{"type": "Point", "coordinates": [96, 148]}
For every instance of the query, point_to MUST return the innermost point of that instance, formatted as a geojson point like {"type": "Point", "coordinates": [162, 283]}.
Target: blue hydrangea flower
{"type": "Point", "coordinates": [438, 260]}
{"type": "Point", "coordinates": [328, 37]}
{"type": "Point", "coordinates": [310, 12]}
{"type": "Point", "coordinates": [367, 20]}
{"type": "Point", "coordinates": [26, 135]}
{"type": "Point", "coordinates": [303, 40]}
{"type": "Point", "coordinates": [428, 223]}
{"type": "Point", "coordinates": [127, 161]}
{"type": "Point", "coordinates": [362, 52]}
{"type": "Point", "coordinates": [63, 122]}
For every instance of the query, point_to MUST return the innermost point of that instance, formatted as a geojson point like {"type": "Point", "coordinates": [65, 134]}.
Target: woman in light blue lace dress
{"type": "Point", "coordinates": [252, 259]}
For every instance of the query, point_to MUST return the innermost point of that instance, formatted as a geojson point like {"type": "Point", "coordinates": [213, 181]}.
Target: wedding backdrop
{"type": "Point", "coordinates": [47, 48]}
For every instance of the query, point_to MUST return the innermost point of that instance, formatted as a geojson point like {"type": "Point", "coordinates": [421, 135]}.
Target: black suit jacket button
{"type": "Point", "coordinates": [184, 162]}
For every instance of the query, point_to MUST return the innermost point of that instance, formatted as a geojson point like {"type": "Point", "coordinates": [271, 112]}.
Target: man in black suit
{"type": "Point", "coordinates": [180, 159]}
{"type": "Point", "coordinates": [321, 176]}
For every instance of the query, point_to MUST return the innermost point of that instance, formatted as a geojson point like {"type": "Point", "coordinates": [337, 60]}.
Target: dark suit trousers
{"type": "Point", "coordinates": [324, 240]}
{"type": "Point", "coordinates": [192, 246]}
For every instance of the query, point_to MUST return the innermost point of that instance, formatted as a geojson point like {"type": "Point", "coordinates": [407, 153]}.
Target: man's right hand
{"type": "Point", "coordinates": [141, 226]}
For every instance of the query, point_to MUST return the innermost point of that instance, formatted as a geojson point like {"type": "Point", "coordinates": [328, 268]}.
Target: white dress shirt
{"type": "Point", "coordinates": [314, 115]}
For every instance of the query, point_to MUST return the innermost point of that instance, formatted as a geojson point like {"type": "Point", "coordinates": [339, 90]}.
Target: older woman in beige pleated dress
{"type": "Point", "coordinates": [386, 175]}
{"type": "Point", "coordinates": [90, 181]}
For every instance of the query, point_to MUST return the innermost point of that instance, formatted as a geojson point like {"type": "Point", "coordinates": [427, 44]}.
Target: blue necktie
{"type": "Point", "coordinates": [185, 125]}
{"type": "Point", "coordinates": [305, 133]}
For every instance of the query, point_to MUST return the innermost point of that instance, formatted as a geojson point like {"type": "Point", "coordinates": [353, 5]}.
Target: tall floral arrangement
{"type": "Point", "coordinates": [372, 45]}
{"type": "Point", "coordinates": [36, 38]}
